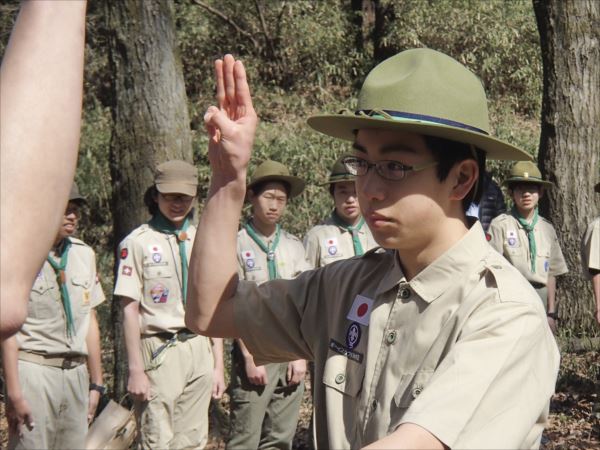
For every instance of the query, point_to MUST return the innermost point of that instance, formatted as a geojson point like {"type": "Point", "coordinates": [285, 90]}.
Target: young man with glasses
{"type": "Point", "coordinates": [434, 340]}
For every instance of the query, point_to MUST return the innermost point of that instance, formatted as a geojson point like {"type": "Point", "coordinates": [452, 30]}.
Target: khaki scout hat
{"type": "Point", "coordinates": [339, 173]}
{"type": "Point", "coordinates": [422, 91]}
{"type": "Point", "coordinates": [274, 171]}
{"type": "Point", "coordinates": [75, 196]}
{"type": "Point", "coordinates": [526, 172]}
{"type": "Point", "coordinates": [176, 177]}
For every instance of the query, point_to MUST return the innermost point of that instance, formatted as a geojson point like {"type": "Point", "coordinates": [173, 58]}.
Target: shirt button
{"type": "Point", "coordinates": [417, 390]}
{"type": "Point", "coordinates": [404, 293]}
{"type": "Point", "coordinates": [340, 378]}
{"type": "Point", "coordinates": [391, 337]}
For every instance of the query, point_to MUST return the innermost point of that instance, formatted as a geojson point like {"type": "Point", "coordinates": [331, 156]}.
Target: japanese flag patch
{"type": "Point", "coordinates": [332, 245]}
{"type": "Point", "coordinates": [248, 258]}
{"type": "Point", "coordinates": [512, 238]}
{"type": "Point", "coordinates": [361, 310]}
{"type": "Point", "coordinates": [155, 248]}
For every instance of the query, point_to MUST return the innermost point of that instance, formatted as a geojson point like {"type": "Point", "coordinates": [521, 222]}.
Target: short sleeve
{"type": "Point", "coordinates": [97, 296]}
{"type": "Point", "coordinates": [129, 282]}
{"type": "Point", "coordinates": [489, 390]}
{"type": "Point", "coordinates": [558, 265]}
{"type": "Point", "coordinates": [277, 319]}
{"type": "Point", "coordinates": [312, 248]}
{"type": "Point", "coordinates": [302, 263]}
{"type": "Point", "coordinates": [495, 236]}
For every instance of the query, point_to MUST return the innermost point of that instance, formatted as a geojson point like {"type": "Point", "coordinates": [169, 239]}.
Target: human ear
{"type": "Point", "coordinates": [465, 176]}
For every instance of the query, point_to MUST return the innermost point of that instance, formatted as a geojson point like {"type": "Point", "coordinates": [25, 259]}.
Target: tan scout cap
{"type": "Point", "coordinates": [339, 173]}
{"type": "Point", "coordinates": [75, 196]}
{"type": "Point", "coordinates": [526, 172]}
{"type": "Point", "coordinates": [176, 177]}
{"type": "Point", "coordinates": [275, 171]}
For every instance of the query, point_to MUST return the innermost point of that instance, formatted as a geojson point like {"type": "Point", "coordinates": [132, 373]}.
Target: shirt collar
{"type": "Point", "coordinates": [444, 272]}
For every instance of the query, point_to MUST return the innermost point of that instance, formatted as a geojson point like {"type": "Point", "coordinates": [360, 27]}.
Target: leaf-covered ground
{"type": "Point", "coordinates": [574, 419]}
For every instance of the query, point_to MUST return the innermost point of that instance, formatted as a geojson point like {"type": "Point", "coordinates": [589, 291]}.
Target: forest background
{"type": "Point", "coordinates": [305, 57]}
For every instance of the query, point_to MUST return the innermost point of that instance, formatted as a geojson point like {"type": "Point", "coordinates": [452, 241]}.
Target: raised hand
{"type": "Point", "coordinates": [232, 125]}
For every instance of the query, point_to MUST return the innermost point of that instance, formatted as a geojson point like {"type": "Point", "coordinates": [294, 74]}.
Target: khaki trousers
{"type": "Point", "coordinates": [58, 400]}
{"type": "Point", "coordinates": [263, 417]}
{"type": "Point", "coordinates": [176, 416]}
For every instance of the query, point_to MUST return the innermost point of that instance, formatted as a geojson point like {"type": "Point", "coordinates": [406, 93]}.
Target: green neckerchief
{"type": "Point", "coordinates": [530, 235]}
{"type": "Point", "coordinates": [59, 268]}
{"type": "Point", "coordinates": [269, 250]}
{"type": "Point", "coordinates": [358, 250]}
{"type": "Point", "coordinates": [160, 223]}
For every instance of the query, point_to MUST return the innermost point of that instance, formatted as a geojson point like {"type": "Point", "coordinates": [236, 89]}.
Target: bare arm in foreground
{"type": "Point", "coordinates": [213, 264]}
{"type": "Point", "coordinates": [41, 82]}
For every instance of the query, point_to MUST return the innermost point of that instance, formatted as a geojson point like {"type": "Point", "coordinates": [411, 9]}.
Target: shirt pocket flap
{"type": "Point", "coordinates": [151, 272]}
{"type": "Point", "coordinates": [343, 375]}
{"type": "Point", "coordinates": [40, 286]}
{"type": "Point", "coordinates": [410, 387]}
{"type": "Point", "coordinates": [82, 281]}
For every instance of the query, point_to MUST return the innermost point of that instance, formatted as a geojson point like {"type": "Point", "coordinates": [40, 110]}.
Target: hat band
{"type": "Point", "coordinates": [397, 115]}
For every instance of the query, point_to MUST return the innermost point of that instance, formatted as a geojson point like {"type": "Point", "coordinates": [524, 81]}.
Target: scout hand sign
{"type": "Point", "coordinates": [231, 127]}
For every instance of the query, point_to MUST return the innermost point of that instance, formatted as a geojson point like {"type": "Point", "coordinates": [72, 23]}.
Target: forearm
{"type": "Point", "coordinates": [408, 436]}
{"type": "Point", "coordinates": [596, 289]}
{"type": "Point", "coordinates": [41, 81]}
{"type": "Point", "coordinates": [551, 287]}
{"type": "Point", "coordinates": [131, 332]}
{"type": "Point", "coordinates": [10, 367]}
{"type": "Point", "coordinates": [245, 352]}
{"type": "Point", "coordinates": [94, 358]}
{"type": "Point", "coordinates": [217, 346]}
{"type": "Point", "coordinates": [213, 264]}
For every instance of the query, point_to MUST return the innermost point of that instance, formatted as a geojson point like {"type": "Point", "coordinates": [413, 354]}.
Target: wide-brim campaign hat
{"type": "Point", "coordinates": [339, 173]}
{"type": "Point", "coordinates": [75, 196]}
{"type": "Point", "coordinates": [271, 170]}
{"type": "Point", "coordinates": [426, 92]}
{"type": "Point", "coordinates": [176, 177]}
{"type": "Point", "coordinates": [526, 172]}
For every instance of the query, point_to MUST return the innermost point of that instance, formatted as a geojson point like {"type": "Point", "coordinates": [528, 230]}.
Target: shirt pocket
{"type": "Point", "coordinates": [411, 386]}
{"type": "Point", "coordinates": [153, 272]}
{"type": "Point", "coordinates": [42, 302]}
{"type": "Point", "coordinates": [343, 375]}
{"type": "Point", "coordinates": [81, 293]}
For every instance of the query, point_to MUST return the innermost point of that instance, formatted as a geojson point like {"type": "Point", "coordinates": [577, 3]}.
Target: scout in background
{"type": "Point", "coordinates": [265, 399]}
{"type": "Point", "coordinates": [344, 233]}
{"type": "Point", "coordinates": [526, 239]}
{"type": "Point", "coordinates": [51, 394]}
{"type": "Point", "coordinates": [491, 204]}
{"type": "Point", "coordinates": [432, 341]}
{"type": "Point", "coordinates": [170, 368]}
{"type": "Point", "coordinates": [590, 258]}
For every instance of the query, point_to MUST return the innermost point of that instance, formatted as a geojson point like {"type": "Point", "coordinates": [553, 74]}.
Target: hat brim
{"type": "Point", "coordinates": [343, 126]}
{"type": "Point", "coordinates": [522, 180]}
{"type": "Point", "coordinates": [296, 184]}
{"type": "Point", "coordinates": [339, 179]}
{"type": "Point", "coordinates": [79, 200]}
{"type": "Point", "coordinates": [177, 188]}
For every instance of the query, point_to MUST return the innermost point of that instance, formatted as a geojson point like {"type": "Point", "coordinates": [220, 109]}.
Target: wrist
{"type": "Point", "coordinates": [552, 315]}
{"type": "Point", "coordinates": [98, 388]}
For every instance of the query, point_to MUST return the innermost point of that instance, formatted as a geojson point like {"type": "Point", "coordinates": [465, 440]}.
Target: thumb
{"type": "Point", "coordinates": [290, 372]}
{"type": "Point", "coordinates": [216, 118]}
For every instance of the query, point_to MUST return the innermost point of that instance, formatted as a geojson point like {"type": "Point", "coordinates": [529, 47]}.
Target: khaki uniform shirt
{"type": "Point", "coordinates": [590, 248]}
{"type": "Point", "coordinates": [463, 349]}
{"type": "Point", "coordinates": [45, 329]}
{"type": "Point", "coordinates": [509, 238]}
{"type": "Point", "coordinates": [150, 273]}
{"type": "Point", "coordinates": [328, 242]}
{"type": "Point", "coordinates": [252, 261]}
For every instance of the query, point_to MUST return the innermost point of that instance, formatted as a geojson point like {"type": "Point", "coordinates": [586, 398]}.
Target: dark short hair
{"type": "Point", "coordinates": [259, 187]}
{"type": "Point", "coordinates": [448, 153]}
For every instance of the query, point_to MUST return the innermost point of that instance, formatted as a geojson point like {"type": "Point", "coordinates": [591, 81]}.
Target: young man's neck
{"type": "Point", "coordinates": [526, 214]}
{"type": "Point", "coordinates": [450, 232]}
{"type": "Point", "coordinates": [266, 229]}
{"type": "Point", "coordinates": [349, 222]}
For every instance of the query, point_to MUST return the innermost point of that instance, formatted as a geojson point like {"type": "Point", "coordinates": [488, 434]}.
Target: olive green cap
{"type": "Point", "coordinates": [75, 196]}
{"type": "Point", "coordinates": [176, 177]}
{"type": "Point", "coordinates": [339, 173]}
{"type": "Point", "coordinates": [271, 170]}
{"type": "Point", "coordinates": [526, 172]}
{"type": "Point", "coordinates": [426, 92]}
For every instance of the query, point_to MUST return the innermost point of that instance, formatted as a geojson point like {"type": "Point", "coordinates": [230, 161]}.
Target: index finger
{"type": "Point", "coordinates": [220, 83]}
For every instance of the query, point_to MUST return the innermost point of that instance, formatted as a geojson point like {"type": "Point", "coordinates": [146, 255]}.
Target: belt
{"type": "Point", "coordinates": [182, 335]}
{"type": "Point", "coordinates": [537, 285]}
{"type": "Point", "coordinates": [62, 362]}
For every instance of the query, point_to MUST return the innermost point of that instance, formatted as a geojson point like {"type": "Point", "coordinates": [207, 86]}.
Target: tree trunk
{"type": "Point", "coordinates": [150, 116]}
{"type": "Point", "coordinates": [569, 151]}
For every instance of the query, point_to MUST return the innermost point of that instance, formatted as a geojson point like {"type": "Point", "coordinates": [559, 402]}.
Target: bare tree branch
{"type": "Point", "coordinates": [265, 31]}
{"type": "Point", "coordinates": [230, 21]}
